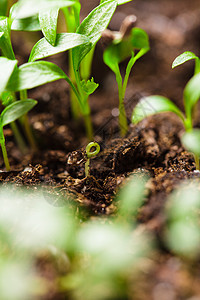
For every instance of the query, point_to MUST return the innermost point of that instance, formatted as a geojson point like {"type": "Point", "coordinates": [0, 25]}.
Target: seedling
{"type": "Point", "coordinates": [123, 45]}
{"type": "Point", "coordinates": [91, 28]}
{"type": "Point", "coordinates": [157, 104]}
{"type": "Point", "coordinates": [191, 141]}
{"type": "Point", "coordinates": [90, 153]}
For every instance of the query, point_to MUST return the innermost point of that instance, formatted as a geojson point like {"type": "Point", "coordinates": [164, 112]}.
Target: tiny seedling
{"type": "Point", "coordinates": [124, 44]}
{"type": "Point", "coordinates": [157, 104]}
{"type": "Point", "coordinates": [92, 149]}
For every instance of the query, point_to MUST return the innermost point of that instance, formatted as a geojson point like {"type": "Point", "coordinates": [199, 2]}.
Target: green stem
{"type": "Point", "coordinates": [4, 151]}
{"type": "Point", "coordinates": [87, 167]}
{"type": "Point", "coordinates": [26, 125]}
{"type": "Point", "coordinates": [196, 158]}
{"type": "Point", "coordinates": [88, 126]}
{"type": "Point", "coordinates": [197, 66]}
{"type": "Point", "coordinates": [122, 113]}
{"type": "Point", "coordinates": [19, 139]}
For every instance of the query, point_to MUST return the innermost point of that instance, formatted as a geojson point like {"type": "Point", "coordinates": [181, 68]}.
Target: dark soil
{"type": "Point", "coordinates": [151, 148]}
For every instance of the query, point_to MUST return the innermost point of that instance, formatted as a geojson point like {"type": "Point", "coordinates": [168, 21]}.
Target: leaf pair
{"type": "Point", "coordinates": [156, 104]}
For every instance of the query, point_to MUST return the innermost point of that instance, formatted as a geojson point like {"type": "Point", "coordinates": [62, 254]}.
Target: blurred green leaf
{"type": "Point", "coordinates": [27, 24]}
{"type": "Point", "coordinates": [48, 24]}
{"type": "Point", "coordinates": [182, 58]}
{"type": "Point", "coordinates": [16, 110]}
{"type": "Point", "coordinates": [64, 41]}
{"type": "Point", "coordinates": [191, 141]}
{"type": "Point", "coordinates": [27, 8]}
{"type": "Point", "coordinates": [191, 94]}
{"type": "Point", "coordinates": [152, 105]}
{"type": "Point", "coordinates": [3, 7]}
{"type": "Point", "coordinates": [130, 197]}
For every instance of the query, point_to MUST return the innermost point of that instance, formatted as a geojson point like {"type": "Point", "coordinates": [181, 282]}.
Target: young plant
{"type": "Point", "coordinates": [96, 148]}
{"type": "Point", "coordinates": [124, 44]}
{"type": "Point", "coordinates": [91, 27]}
{"type": "Point", "coordinates": [29, 75]}
{"type": "Point", "coordinates": [191, 141]}
{"type": "Point", "coordinates": [157, 104]}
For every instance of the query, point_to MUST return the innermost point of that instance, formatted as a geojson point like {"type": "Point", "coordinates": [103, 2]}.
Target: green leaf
{"type": "Point", "coordinates": [90, 86]}
{"type": "Point", "coordinates": [3, 7]}
{"type": "Point", "coordinates": [92, 26]}
{"type": "Point", "coordinates": [192, 93]}
{"type": "Point", "coordinates": [27, 8]}
{"type": "Point", "coordinates": [5, 42]}
{"type": "Point", "coordinates": [48, 24]}
{"type": "Point", "coordinates": [153, 105]}
{"type": "Point", "coordinates": [119, 51]}
{"type": "Point", "coordinates": [6, 69]}
{"type": "Point", "coordinates": [191, 141]}
{"type": "Point", "coordinates": [119, 2]}
{"type": "Point", "coordinates": [34, 74]}
{"type": "Point", "coordinates": [27, 24]}
{"type": "Point", "coordinates": [64, 41]}
{"type": "Point", "coordinates": [182, 58]}
{"type": "Point", "coordinates": [16, 110]}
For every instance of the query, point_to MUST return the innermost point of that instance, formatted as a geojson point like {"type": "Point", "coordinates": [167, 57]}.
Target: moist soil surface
{"type": "Point", "coordinates": [151, 148]}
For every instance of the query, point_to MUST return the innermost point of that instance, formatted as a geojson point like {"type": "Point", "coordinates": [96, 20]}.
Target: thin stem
{"type": "Point", "coordinates": [196, 158]}
{"type": "Point", "coordinates": [4, 151]}
{"type": "Point", "coordinates": [197, 66]}
{"type": "Point", "coordinates": [87, 167]}
{"type": "Point", "coordinates": [19, 139]}
{"type": "Point", "coordinates": [26, 125]}
{"type": "Point", "coordinates": [122, 113]}
{"type": "Point", "coordinates": [128, 71]}
{"type": "Point", "coordinates": [88, 126]}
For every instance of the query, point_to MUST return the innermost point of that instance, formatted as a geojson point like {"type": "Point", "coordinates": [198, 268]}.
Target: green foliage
{"type": "Point", "coordinates": [184, 57]}
{"type": "Point", "coordinates": [28, 8]}
{"type": "Point", "coordinates": [5, 41]}
{"type": "Point", "coordinates": [191, 141]}
{"type": "Point", "coordinates": [3, 7]}
{"type": "Point", "coordinates": [152, 105]}
{"type": "Point", "coordinates": [92, 27]}
{"type": "Point", "coordinates": [182, 232]}
{"type": "Point", "coordinates": [64, 41]}
{"type": "Point", "coordinates": [48, 24]}
{"type": "Point", "coordinates": [7, 67]}
{"type": "Point", "coordinates": [120, 49]}
{"type": "Point", "coordinates": [15, 110]}
{"type": "Point", "coordinates": [34, 74]}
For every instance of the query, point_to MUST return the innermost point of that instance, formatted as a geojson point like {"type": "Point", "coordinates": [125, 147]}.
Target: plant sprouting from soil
{"type": "Point", "coordinates": [157, 104]}
{"type": "Point", "coordinates": [92, 149]}
{"type": "Point", "coordinates": [80, 57]}
{"type": "Point", "coordinates": [128, 42]}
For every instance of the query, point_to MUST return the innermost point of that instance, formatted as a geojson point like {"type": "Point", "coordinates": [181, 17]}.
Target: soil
{"type": "Point", "coordinates": [150, 148]}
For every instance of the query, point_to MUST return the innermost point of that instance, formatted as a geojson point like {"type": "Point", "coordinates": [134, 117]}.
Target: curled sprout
{"type": "Point", "coordinates": [90, 154]}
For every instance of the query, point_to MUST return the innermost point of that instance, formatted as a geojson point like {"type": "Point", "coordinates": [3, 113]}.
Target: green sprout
{"type": "Point", "coordinates": [80, 60]}
{"type": "Point", "coordinates": [157, 104]}
{"type": "Point", "coordinates": [89, 153]}
{"type": "Point", "coordinates": [124, 44]}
